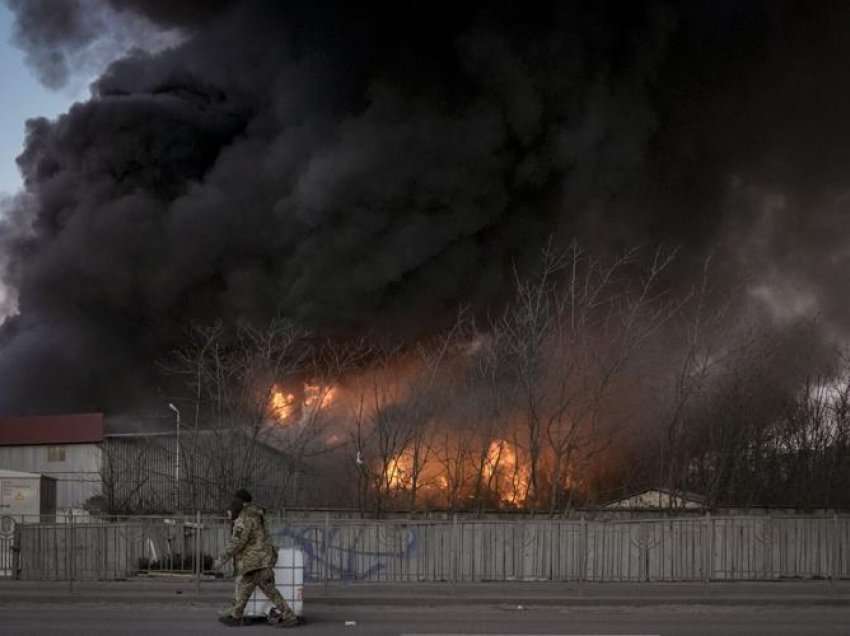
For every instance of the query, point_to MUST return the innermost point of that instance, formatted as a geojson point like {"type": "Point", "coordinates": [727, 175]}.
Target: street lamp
{"type": "Point", "coordinates": [177, 466]}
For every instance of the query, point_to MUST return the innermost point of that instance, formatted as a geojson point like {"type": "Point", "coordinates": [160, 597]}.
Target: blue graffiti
{"type": "Point", "coordinates": [326, 556]}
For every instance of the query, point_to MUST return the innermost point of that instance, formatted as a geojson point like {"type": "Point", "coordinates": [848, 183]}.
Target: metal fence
{"type": "Point", "coordinates": [74, 548]}
{"type": "Point", "coordinates": [670, 549]}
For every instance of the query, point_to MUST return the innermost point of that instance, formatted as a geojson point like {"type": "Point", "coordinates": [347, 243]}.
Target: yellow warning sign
{"type": "Point", "coordinates": [17, 497]}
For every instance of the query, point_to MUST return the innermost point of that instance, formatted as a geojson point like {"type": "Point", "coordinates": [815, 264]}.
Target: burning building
{"type": "Point", "coordinates": [363, 171]}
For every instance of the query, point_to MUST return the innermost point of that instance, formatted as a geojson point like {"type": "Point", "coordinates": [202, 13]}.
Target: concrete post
{"type": "Point", "coordinates": [325, 548]}
{"type": "Point", "coordinates": [455, 561]}
{"type": "Point", "coordinates": [198, 552]}
{"type": "Point", "coordinates": [708, 551]}
{"type": "Point", "coordinates": [834, 569]}
{"type": "Point", "coordinates": [69, 547]}
{"type": "Point", "coordinates": [582, 577]}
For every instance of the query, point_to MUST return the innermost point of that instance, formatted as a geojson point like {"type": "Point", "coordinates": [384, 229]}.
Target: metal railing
{"type": "Point", "coordinates": [397, 550]}
{"type": "Point", "coordinates": [73, 548]}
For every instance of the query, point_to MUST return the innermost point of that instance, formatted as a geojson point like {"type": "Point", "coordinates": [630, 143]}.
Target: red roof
{"type": "Point", "coordinates": [77, 428]}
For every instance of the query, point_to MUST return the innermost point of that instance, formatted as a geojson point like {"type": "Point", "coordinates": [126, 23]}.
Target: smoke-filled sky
{"type": "Point", "coordinates": [23, 95]}
{"type": "Point", "coordinates": [359, 167]}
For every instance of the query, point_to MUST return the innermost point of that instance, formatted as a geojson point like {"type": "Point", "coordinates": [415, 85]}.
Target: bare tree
{"type": "Point", "coordinates": [732, 423]}
{"type": "Point", "coordinates": [569, 335]}
{"type": "Point", "coordinates": [520, 413]}
{"type": "Point", "coordinates": [804, 454]}
{"type": "Point", "coordinates": [454, 453]}
{"type": "Point", "coordinates": [431, 393]}
{"type": "Point", "coordinates": [232, 377]}
{"type": "Point", "coordinates": [125, 473]}
{"type": "Point", "coordinates": [483, 400]}
{"type": "Point", "coordinates": [383, 434]}
{"type": "Point", "coordinates": [706, 346]}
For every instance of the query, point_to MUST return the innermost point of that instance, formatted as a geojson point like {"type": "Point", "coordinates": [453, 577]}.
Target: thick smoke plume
{"type": "Point", "coordinates": [361, 168]}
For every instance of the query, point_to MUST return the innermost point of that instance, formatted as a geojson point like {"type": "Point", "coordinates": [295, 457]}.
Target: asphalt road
{"type": "Point", "coordinates": [688, 620]}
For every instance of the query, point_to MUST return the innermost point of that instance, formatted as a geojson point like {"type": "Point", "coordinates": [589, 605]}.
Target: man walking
{"type": "Point", "coordinates": [254, 557]}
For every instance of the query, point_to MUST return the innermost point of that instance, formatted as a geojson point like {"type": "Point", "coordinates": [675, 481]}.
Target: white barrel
{"type": "Point", "coordinates": [289, 580]}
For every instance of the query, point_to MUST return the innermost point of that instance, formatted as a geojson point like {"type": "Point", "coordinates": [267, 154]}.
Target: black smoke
{"type": "Point", "coordinates": [359, 167]}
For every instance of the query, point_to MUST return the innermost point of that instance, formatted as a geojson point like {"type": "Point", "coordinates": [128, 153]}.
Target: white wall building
{"type": "Point", "coordinates": [658, 498]}
{"type": "Point", "coordinates": [64, 447]}
{"type": "Point", "coordinates": [129, 463]}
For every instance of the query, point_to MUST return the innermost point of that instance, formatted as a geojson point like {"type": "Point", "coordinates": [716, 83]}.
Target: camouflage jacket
{"type": "Point", "coordinates": [249, 543]}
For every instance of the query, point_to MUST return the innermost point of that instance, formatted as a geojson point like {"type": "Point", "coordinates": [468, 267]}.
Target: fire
{"type": "Point", "coordinates": [282, 404]}
{"type": "Point", "coordinates": [285, 405]}
{"type": "Point", "coordinates": [569, 481]}
{"type": "Point", "coordinates": [494, 457]}
{"type": "Point", "coordinates": [318, 396]}
{"type": "Point", "coordinates": [503, 471]}
{"type": "Point", "coordinates": [399, 471]}
{"type": "Point", "coordinates": [510, 477]}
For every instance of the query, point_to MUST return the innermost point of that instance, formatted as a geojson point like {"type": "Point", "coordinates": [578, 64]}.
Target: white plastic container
{"type": "Point", "coordinates": [289, 580]}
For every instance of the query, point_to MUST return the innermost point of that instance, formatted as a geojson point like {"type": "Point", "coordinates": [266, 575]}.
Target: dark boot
{"type": "Point", "coordinates": [281, 618]}
{"type": "Point", "coordinates": [232, 621]}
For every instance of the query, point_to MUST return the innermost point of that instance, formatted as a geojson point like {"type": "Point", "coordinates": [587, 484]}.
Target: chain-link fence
{"type": "Point", "coordinates": [398, 550]}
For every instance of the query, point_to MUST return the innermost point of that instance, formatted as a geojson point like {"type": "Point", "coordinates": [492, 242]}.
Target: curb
{"type": "Point", "coordinates": [517, 604]}
{"type": "Point", "coordinates": [629, 601]}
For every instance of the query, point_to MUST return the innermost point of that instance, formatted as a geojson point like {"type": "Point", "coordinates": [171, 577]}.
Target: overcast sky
{"type": "Point", "coordinates": [22, 97]}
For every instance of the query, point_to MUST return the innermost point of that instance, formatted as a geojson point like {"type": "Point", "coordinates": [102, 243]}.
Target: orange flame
{"type": "Point", "coordinates": [282, 404]}
{"type": "Point", "coordinates": [503, 469]}
{"type": "Point", "coordinates": [399, 471]}
{"type": "Point", "coordinates": [318, 396]}
{"type": "Point", "coordinates": [509, 475]}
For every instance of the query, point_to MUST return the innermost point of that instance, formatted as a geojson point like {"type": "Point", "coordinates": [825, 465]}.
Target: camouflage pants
{"type": "Point", "coordinates": [248, 582]}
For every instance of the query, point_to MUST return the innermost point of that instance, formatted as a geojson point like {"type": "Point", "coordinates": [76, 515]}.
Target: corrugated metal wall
{"type": "Point", "coordinates": [140, 473]}
{"type": "Point", "coordinates": [77, 476]}
{"type": "Point", "coordinates": [136, 474]}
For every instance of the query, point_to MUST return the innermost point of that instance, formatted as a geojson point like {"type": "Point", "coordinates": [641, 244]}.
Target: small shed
{"type": "Point", "coordinates": [26, 495]}
{"type": "Point", "coordinates": [65, 447]}
{"type": "Point", "coordinates": [659, 499]}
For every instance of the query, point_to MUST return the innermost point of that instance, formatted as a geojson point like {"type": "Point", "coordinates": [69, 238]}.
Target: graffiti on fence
{"type": "Point", "coordinates": [347, 558]}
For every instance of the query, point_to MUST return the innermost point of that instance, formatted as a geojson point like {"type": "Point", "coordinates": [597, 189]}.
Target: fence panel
{"type": "Point", "coordinates": [399, 550]}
